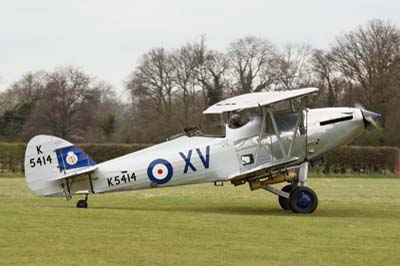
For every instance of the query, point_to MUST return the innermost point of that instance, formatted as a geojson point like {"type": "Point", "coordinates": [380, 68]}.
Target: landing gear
{"type": "Point", "coordinates": [295, 196]}
{"type": "Point", "coordinates": [284, 202]}
{"type": "Point", "coordinates": [297, 199]}
{"type": "Point", "coordinates": [82, 203]}
{"type": "Point", "coordinates": [303, 200]}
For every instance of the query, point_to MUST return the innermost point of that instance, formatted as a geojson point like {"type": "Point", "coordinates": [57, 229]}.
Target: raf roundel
{"type": "Point", "coordinates": [160, 171]}
{"type": "Point", "coordinates": [71, 158]}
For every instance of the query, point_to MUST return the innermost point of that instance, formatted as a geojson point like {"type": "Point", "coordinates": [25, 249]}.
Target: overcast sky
{"type": "Point", "coordinates": [106, 38]}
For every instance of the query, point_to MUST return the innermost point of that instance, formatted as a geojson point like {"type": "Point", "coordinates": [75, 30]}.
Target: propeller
{"type": "Point", "coordinates": [369, 116]}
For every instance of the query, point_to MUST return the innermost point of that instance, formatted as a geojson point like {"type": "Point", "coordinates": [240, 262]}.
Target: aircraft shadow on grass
{"type": "Point", "coordinates": [331, 212]}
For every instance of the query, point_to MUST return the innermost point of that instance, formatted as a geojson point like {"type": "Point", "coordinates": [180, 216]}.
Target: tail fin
{"type": "Point", "coordinates": [50, 159]}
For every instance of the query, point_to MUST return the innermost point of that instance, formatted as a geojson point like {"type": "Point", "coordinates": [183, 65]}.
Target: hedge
{"type": "Point", "coordinates": [344, 159]}
{"type": "Point", "coordinates": [104, 152]}
{"type": "Point", "coordinates": [361, 159]}
{"type": "Point", "coordinates": [12, 156]}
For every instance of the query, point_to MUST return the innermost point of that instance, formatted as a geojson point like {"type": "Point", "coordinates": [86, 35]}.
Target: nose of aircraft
{"type": "Point", "coordinates": [369, 117]}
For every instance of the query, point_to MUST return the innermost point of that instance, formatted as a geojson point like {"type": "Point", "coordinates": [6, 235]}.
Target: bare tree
{"type": "Point", "coordinates": [335, 89]}
{"type": "Point", "coordinates": [154, 96]}
{"type": "Point", "coordinates": [369, 57]}
{"type": "Point", "coordinates": [152, 82]}
{"type": "Point", "coordinates": [26, 90]}
{"type": "Point", "coordinates": [211, 70]}
{"type": "Point", "coordinates": [67, 107]}
{"type": "Point", "coordinates": [106, 109]}
{"type": "Point", "coordinates": [210, 73]}
{"type": "Point", "coordinates": [250, 60]}
{"type": "Point", "coordinates": [292, 67]}
{"type": "Point", "coordinates": [17, 103]}
{"type": "Point", "coordinates": [184, 63]}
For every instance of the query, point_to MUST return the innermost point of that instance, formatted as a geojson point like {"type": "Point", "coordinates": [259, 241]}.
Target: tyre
{"type": "Point", "coordinates": [284, 202]}
{"type": "Point", "coordinates": [303, 200]}
{"type": "Point", "coordinates": [81, 204]}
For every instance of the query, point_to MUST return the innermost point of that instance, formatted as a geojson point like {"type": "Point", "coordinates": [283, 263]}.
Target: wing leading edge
{"type": "Point", "coordinates": [256, 99]}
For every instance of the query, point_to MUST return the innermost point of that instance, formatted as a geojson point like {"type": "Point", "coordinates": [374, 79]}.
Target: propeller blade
{"type": "Point", "coordinates": [369, 117]}
{"type": "Point", "coordinates": [371, 121]}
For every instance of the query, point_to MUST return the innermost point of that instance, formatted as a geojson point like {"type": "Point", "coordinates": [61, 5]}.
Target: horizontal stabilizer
{"type": "Point", "coordinates": [76, 173]}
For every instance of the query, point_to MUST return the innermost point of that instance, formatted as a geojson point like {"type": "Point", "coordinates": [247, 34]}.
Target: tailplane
{"type": "Point", "coordinates": [50, 161]}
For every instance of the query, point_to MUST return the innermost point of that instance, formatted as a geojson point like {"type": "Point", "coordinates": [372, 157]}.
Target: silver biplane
{"type": "Point", "coordinates": [273, 143]}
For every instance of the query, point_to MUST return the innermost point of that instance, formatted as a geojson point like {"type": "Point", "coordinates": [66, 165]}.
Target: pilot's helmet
{"type": "Point", "coordinates": [235, 121]}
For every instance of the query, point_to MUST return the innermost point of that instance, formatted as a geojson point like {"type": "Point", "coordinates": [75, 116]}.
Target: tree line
{"type": "Point", "coordinates": [170, 88]}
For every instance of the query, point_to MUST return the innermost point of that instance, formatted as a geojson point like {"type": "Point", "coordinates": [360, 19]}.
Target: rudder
{"type": "Point", "coordinates": [48, 159]}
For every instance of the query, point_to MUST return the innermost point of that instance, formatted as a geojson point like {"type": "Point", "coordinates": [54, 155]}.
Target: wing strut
{"type": "Point", "coordinates": [277, 132]}
{"type": "Point", "coordinates": [287, 156]}
{"type": "Point", "coordinates": [264, 119]}
{"type": "Point", "coordinates": [299, 123]}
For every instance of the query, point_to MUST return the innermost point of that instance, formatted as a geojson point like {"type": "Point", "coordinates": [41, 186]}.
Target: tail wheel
{"type": "Point", "coordinates": [303, 200]}
{"type": "Point", "coordinates": [82, 204]}
{"type": "Point", "coordinates": [284, 202]}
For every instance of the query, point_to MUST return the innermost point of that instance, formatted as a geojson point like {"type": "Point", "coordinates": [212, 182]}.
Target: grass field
{"type": "Point", "coordinates": [357, 223]}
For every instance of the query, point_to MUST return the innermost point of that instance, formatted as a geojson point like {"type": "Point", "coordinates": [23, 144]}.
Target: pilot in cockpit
{"type": "Point", "coordinates": [235, 121]}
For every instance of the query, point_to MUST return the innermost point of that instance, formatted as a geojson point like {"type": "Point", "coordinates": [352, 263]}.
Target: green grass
{"type": "Point", "coordinates": [354, 175]}
{"type": "Point", "coordinates": [11, 174]}
{"type": "Point", "coordinates": [357, 223]}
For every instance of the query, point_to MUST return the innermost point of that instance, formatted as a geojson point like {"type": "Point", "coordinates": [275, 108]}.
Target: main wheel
{"type": "Point", "coordinates": [303, 200]}
{"type": "Point", "coordinates": [284, 202]}
{"type": "Point", "coordinates": [81, 203]}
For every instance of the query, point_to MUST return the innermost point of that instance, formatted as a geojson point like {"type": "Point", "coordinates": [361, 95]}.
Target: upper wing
{"type": "Point", "coordinates": [264, 168]}
{"type": "Point", "coordinates": [256, 99]}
